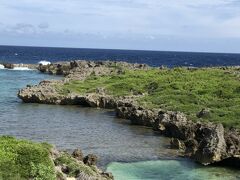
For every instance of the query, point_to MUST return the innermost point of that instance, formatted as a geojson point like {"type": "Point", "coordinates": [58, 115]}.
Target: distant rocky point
{"type": "Point", "coordinates": [18, 66]}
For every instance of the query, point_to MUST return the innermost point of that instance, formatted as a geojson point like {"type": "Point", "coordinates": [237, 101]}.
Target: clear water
{"type": "Point", "coordinates": [170, 170]}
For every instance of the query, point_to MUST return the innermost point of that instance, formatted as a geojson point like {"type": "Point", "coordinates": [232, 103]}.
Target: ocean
{"type": "Point", "coordinates": [130, 152]}
{"type": "Point", "coordinates": [28, 55]}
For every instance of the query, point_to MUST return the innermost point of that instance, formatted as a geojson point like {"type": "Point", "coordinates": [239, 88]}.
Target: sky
{"type": "Point", "coordinates": [169, 25]}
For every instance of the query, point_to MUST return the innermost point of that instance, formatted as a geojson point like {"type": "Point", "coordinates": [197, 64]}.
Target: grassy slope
{"type": "Point", "coordinates": [177, 89]}
{"type": "Point", "coordinates": [21, 159]}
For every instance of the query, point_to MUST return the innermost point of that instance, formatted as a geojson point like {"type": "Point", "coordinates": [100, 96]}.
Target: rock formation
{"type": "Point", "coordinates": [12, 66]}
{"type": "Point", "coordinates": [77, 167]}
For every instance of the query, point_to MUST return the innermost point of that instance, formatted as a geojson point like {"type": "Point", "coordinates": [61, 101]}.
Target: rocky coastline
{"type": "Point", "coordinates": [204, 142]}
{"type": "Point", "coordinates": [16, 66]}
{"type": "Point", "coordinates": [77, 166]}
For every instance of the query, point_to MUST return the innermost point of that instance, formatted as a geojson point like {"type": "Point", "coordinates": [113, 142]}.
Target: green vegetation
{"type": "Point", "coordinates": [74, 167]}
{"type": "Point", "coordinates": [177, 89]}
{"type": "Point", "coordinates": [21, 159]}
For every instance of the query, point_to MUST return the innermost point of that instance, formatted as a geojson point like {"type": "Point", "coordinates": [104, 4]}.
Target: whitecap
{"type": "Point", "coordinates": [21, 69]}
{"type": "Point", "coordinates": [1, 66]}
{"type": "Point", "coordinates": [44, 62]}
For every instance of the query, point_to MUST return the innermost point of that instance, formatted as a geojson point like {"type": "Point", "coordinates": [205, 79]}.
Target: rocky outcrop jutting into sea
{"type": "Point", "coordinates": [77, 166]}
{"type": "Point", "coordinates": [19, 66]}
{"type": "Point", "coordinates": [204, 142]}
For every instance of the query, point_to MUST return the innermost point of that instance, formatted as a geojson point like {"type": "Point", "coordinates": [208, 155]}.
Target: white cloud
{"type": "Point", "coordinates": [127, 19]}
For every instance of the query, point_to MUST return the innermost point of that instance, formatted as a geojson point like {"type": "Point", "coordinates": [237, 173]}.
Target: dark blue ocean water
{"type": "Point", "coordinates": [17, 54]}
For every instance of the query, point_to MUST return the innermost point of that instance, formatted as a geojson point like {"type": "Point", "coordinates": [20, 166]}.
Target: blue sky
{"type": "Point", "coordinates": [177, 25]}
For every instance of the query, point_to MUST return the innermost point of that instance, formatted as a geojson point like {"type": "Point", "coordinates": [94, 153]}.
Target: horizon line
{"type": "Point", "coordinates": [119, 49]}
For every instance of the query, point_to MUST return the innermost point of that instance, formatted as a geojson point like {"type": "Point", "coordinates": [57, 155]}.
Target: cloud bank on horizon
{"type": "Point", "coordinates": [178, 25]}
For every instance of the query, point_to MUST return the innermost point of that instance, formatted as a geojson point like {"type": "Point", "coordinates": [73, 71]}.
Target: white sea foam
{"type": "Point", "coordinates": [21, 69]}
{"type": "Point", "coordinates": [44, 62]}
{"type": "Point", "coordinates": [1, 66]}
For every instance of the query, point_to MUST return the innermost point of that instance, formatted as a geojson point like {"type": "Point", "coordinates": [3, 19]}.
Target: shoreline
{"type": "Point", "coordinates": [21, 66]}
{"type": "Point", "coordinates": [205, 143]}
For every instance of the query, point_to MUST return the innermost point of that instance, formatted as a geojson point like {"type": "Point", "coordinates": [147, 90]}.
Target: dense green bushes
{"type": "Point", "coordinates": [21, 159]}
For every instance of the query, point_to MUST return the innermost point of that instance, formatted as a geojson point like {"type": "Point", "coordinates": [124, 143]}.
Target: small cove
{"type": "Point", "coordinates": [95, 131]}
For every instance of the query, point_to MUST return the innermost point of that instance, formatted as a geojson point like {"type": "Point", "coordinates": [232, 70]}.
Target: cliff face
{"type": "Point", "coordinates": [204, 142]}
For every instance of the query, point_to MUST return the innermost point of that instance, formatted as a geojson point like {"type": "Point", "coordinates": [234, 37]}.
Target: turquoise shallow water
{"type": "Point", "coordinates": [144, 154]}
{"type": "Point", "coordinates": [170, 169]}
